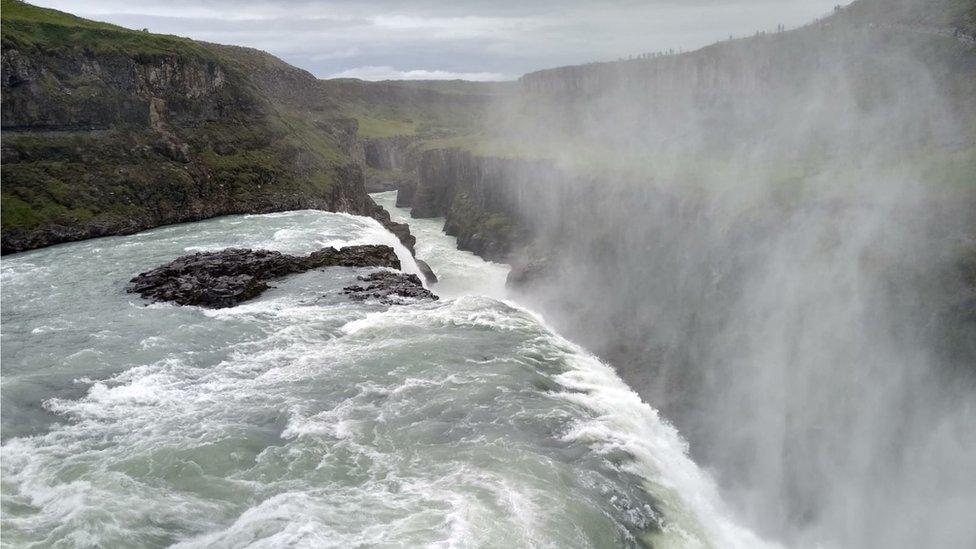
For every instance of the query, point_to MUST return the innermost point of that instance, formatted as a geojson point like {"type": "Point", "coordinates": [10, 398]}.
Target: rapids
{"type": "Point", "coordinates": [304, 419]}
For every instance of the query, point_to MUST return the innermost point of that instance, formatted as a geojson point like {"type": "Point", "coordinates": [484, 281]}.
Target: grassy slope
{"type": "Point", "coordinates": [274, 140]}
{"type": "Point", "coordinates": [387, 109]}
{"type": "Point", "coordinates": [26, 25]}
{"type": "Point", "coordinates": [72, 178]}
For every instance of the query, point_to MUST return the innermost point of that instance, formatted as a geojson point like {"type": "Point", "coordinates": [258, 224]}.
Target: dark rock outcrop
{"type": "Point", "coordinates": [529, 272]}
{"type": "Point", "coordinates": [485, 200]}
{"type": "Point", "coordinates": [405, 190]}
{"type": "Point", "coordinates": [428, 273]}
{"type": "Point", "coordinates": [440, 171]}
{"type": "Point", "coordinates": [390, 288]}
{"type": "Point", "coordinates": [228, 277]}
{"type": "Point", "coordinates": [400, 230]}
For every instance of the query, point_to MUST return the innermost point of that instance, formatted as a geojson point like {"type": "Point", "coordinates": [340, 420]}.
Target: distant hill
{"type": "Point", "coordinates": [459, 86]}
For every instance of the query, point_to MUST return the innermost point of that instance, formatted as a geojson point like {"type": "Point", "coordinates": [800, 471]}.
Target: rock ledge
{"type": "Point", "coordinates": [390, 288]}
{"type": "Point", "coordinates": [228, 277]}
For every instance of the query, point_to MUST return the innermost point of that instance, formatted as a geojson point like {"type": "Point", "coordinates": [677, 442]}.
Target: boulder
{"type": "Point", "coordinates": [528, 272]}
{"type": "Point", "coordinates": [425, 270]}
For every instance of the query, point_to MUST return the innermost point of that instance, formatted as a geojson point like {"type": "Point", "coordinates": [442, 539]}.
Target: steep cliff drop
{"type": "Point", "coordinates": [301, 415]}
{"type": "Point", "coordinates": [110, 131]}
{"type": "Point", "coordinates": [772, 240]}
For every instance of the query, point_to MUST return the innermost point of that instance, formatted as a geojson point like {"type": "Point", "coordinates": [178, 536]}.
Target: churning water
{"type": "Point", "coordinates": [305, 419]}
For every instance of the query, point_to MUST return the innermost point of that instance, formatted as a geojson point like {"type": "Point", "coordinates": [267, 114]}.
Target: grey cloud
{"type": "Point", "coordinates": [466, 36]}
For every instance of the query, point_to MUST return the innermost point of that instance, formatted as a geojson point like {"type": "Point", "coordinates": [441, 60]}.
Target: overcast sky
{"type": "Point", "coordinates": [472, 39]}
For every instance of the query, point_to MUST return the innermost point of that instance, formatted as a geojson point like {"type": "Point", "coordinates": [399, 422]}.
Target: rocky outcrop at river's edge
{"type": "Point", "coordinates": [231, 276]}
{"type": "Point", "coordinates": [400, 230]}
{"type": "Point", "coordinates": [389, 288]}
{"type": "Point", "coordinates": [425, 270]}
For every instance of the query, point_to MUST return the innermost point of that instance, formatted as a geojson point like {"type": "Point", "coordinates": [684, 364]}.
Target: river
{"type": "Point", "coordinates": [304, 419]}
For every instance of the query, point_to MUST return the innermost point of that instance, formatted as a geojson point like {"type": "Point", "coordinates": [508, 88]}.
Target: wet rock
{"type": "Point", "coordinates": [228, 277]}
{"type": "Point", "coordinates": [405, 190]}
{"type": "Point", "coordinates": [379, 183]}
{"type": "Point", "coordinates": [531, 271]}
{"type": "Point", "coordinates": [390, 288]}
{"type": "Point", "coordinates": [425, 270]}
{"type": "Point", "coordinates": [388, 153]}
{"type": "Point", "coordinates": [400, 230]}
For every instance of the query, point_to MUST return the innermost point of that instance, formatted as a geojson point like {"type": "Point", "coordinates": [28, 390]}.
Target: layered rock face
{"type": "Point", "coordinates": [486, 201]}
{"type": "Point", "coordinates": [388, 153]}
{"type": "Point", "coordinates": [112, 131]}
{"type": "Point", "coordinates": [763, 217]}
{"type": "Point", "coordinates": [228, 277]}
{"type": "Point", "coordinates": [112, 143]}
{"type": "Point", "coordinates": [41, 92]}
{"type": "Point", "coordinates": [391, 162]}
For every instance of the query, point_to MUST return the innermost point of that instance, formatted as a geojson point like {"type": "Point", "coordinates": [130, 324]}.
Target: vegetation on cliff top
{"type": "Point", "coordinates": [28, 26]}
{"type": "Point", "coordinates": [110, 130]}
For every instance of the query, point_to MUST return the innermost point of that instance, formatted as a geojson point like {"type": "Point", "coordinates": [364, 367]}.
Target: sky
{"type": "Point", "coordinates": [446, 39]}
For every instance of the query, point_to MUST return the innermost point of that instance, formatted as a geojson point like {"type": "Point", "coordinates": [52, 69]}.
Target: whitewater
{"type": "Point", "coordinates": [304, 419]}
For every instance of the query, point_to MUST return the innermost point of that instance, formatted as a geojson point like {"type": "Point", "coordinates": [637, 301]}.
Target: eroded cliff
{"type": "Point", "coordinates": [480, 198]}
{"type": "Point", "coordinates": [111, 131]}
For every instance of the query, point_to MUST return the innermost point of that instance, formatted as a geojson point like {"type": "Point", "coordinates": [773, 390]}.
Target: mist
{"type": "Point", "coordinates": [767, 238]}
{"type": "Point", "coordinates": [714, 288]}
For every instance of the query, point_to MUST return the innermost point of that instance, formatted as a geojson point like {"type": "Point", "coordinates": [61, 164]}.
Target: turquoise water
{"type": "Point", "coordinates": [302, 419]}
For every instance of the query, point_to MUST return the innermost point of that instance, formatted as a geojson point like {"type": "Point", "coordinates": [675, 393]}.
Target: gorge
{"type": "Point", "coordinates": [770, 240]}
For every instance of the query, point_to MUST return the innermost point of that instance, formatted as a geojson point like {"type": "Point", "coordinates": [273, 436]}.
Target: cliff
{"type": "Point", "coordinates": [391, 162]}
{"type": "Point", "coordinates": [875, 79]}
{"type": "Point", "coordinates": [737, 92]}
{"type": "Point", "coordinates": [796, 207]}
{"type": "Point", "coordinates": [484, 200]}
{"type": "Point", "coordinates": [111, 131]}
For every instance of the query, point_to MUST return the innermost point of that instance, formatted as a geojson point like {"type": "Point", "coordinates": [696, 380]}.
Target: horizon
{"type": "Point", "coordinates": [438, 40]}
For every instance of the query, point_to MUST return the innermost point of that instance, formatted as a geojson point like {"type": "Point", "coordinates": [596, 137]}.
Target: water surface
{"type": "Point", "coordinates": [304, 419]}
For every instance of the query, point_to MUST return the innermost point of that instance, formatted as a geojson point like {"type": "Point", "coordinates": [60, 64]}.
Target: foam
{"type": "Point", "coordinates": [300, 434]}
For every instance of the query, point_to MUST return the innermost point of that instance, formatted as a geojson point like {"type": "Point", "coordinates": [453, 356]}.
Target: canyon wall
{"type": "Point", "coordinates": [101, 138]}
{"type": "Point", "coordinates": [487, 202]}
{"type": "Point", "coordinates": [773, 242]}
{"type": "Point", "coordinates": [107, 131]}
